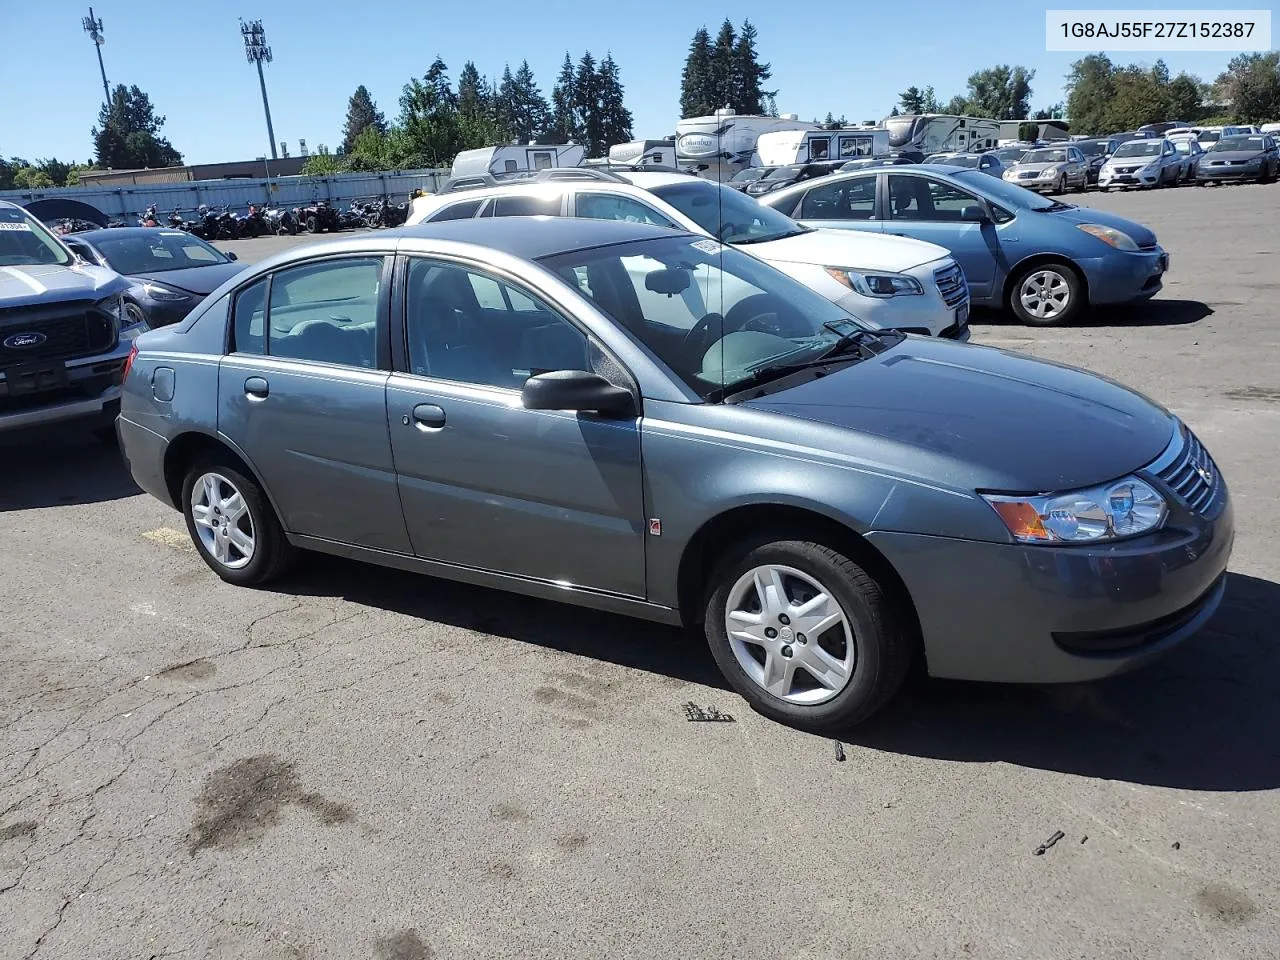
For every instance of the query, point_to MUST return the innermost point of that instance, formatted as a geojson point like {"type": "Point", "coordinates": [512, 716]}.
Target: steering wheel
{"type": "Point", "coordinates": [696, 341]}
{"type": "Point", "coordinates": [764, 313]}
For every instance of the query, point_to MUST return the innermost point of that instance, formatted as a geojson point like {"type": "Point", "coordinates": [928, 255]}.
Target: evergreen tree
{"type": "Point", "coordinates": [127, 136]}
{"type": "Point", "coordinates": [532, 114]}
{"type": "Point", "coordinates": [615, 118]}
{"type": "Point", "coordinates": [912, 100]}
{"type": "Point", "coordinates": [429, 117]}
{"type": "Point", "coordinates": [586, 102]}
{"type": "Point", "coordinates": [750, 73]}
{"type": "Point", "coordinates": [565, 127]}
{"type": "Point", "coordinates": [471, 99]}
{"type": "Point", "coordinates": [362, 113]}
{"type": "Point", "coordinates": [505, 104]}
{"type": "Point", "coordinates": [695, 81]}
{"type": "Point", "coordinates": [725, 83]}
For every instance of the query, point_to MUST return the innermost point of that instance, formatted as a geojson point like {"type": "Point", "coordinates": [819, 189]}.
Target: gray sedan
{"type": "Point", "coordinates": [641, 420]}
{"type": "Point", "coordinates": [1050, 169]}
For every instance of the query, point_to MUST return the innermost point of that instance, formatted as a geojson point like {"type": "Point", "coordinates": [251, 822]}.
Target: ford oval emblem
{"type": "Point", "coordinates": [21, 341]}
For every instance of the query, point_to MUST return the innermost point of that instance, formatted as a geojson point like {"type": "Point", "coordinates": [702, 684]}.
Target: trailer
{"type": "Point", "coordinates": [723, 143]}
{"type": "Point", "coordinates": [927, 133]}
{"type": "Point", "coordinates": [786, 147]}
{"type": "Point", "coordinates": [515, 158]}
{"type": "Point", "coordinates": [644, 153]}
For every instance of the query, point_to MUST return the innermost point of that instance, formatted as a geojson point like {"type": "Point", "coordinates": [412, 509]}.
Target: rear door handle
{"type": "Point", "coordinates": [428, 416]}
{"type": "Point", "coordinates": [256, 388]}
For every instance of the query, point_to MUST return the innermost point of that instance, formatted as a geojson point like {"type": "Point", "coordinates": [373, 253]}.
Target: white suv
{"type": "Point", "coordinates": [884, 281]}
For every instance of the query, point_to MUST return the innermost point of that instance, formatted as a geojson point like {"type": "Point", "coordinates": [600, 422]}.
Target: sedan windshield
{"type": "Point", "coordinates": [1092, 148]}
{"type": "Point", "coordinates": [1138, 148]}
{"type": "Point", "coordinates": [156, 252]}
{"type": "Point", "coordinates": [784, 173]}
{"type": "Point", "coordinates": [727, 214]}
{"type": "Point", "coordinates": [24, 240]}
{"type": "Point", "coordinates": [1010, 154]}
{"type": "Point", "coordinates": [749, 174]}
{"type": "Point", "coordinates": [1254, 144]}
{"type": "Point", "coordinates": [1044, 156]}
{"type": "Point", "coordinates": [716, 317]}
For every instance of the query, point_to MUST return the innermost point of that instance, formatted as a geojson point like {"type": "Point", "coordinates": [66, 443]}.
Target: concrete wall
{"type": "Point", "coordinates": [129, 201]}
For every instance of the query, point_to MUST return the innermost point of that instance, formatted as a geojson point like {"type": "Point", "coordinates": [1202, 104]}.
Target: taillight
{"type": "Point", "coordinates": [128, 361]}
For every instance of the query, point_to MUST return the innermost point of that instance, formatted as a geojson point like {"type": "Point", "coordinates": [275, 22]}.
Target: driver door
{"type": "Point", "coordinates": [923, 208]}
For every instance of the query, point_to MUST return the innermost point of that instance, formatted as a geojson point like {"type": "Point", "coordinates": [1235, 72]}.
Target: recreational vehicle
{"type": "Point", "coordinates": [644, 153]}
{"type": "Point", "coordinates": [722, 144]}
{"type": "Point", "coordinates": [514, 159]}
{"type": "Point", "coordinates": [927, 133]}
{"type": "Point", "coordinates": [808, 146]}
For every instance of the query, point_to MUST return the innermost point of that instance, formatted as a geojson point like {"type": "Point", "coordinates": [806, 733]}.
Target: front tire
{"type": "Point", "coordinates": [806, 635]}
{"type": "Point", "coordinates": [1047, 295]}
{"type": "Point", "coordinates": [312, 224]}
{"type": "Point", "coordinates": [234, 528]}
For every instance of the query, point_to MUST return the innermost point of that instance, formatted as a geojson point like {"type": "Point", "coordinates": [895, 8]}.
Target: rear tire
{"type": "Point", "coordinates": [233, 526]}
{"type": "Point", "coordinates": [312, 224]}
{"type": "Point", "coordinates": [1046, 295]}
{"type": "Point", "coordinates": [828, 680]}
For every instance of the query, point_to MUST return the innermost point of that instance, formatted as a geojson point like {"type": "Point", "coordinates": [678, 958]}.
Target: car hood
{"type": "Point", "coordinates": [1233, 155]}
{"type": "Point", "coordinates": [989, 419]}
{"type": "Point", "coordinates": [198, 280]}
{"type": "Point", "coordinates": [849, 248]}
{"type": "Point", "coordinates": [45, 283]}
{"type": "Point", "coordinates": [1037, 166]}
{"type": "Point", "coordinates": [1142, 236]}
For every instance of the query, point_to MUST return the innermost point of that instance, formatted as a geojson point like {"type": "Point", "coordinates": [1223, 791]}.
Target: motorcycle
{"type": "Point", "coordinates": [255, 222]}
{"type": "Point", "coordinates": [229, 225]}
{"type": "Point", "coordinates": [149, 217]}
{"type": "Point", "coordinates": [175, 220]}
{"type": "Point", "coordinates": [281, 221]}
{"type": "Point", "coordinates": [208, 220]}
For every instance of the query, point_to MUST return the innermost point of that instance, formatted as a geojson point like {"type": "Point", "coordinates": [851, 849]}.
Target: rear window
{"type": "Point", "coordinates": [457, 211]}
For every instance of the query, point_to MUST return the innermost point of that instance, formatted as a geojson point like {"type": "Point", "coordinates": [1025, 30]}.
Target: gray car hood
{"type": "Point", "coordinates": [1003, 421]}
{"type": "Point", "coordinates": [1235, 156]}
{"type": "Point", "coordinates": [45, 283]}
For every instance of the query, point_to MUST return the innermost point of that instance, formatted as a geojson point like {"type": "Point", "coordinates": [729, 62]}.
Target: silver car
{"type": "Point", "coordinates": [1050, 170]}
{"type": "Point", "coordinates": [644, 421]}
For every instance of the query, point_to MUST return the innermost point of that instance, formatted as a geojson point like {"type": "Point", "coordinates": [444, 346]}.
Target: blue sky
{"type": "Point", "coordinates": [849, 58]}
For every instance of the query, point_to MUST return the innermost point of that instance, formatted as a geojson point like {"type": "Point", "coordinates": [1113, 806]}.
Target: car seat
{"type": "Point", "coordinates": [444, 326]}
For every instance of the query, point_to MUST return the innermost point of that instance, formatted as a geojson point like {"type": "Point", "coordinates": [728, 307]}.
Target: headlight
{"type": "Point", "coordinates": [880, 285]}
{"type": "Point", "coordinates": [1123, 509]}
{"type": "Point", "coordinates": [157, 292]}
{"type": "Point", "coordinates": [1109, 235]}
{"type": "Point", "coordinates": [1049, 172]}
{"type": "Point", "coordinates": [1255, 161]}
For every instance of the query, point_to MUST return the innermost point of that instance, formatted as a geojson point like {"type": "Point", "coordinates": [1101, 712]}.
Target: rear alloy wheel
{"type": "Point", "coordinates": [1046, 295]}
{"type": "Point", "coordinates": [232, 524]}
{"type": "Point", "coordinates": [805, 635]}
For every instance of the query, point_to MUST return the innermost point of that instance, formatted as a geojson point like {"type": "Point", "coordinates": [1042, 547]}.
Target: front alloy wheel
{"type": "Point", "coordinates": [1046, 296]}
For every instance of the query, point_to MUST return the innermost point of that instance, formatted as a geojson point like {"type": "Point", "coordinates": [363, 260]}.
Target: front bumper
{"type": "Point", "coordinates": [1209, 174]}
{"type": "Point", "coordinates": [1025, 614]}
{"type": "Point", "coordinates": [1122, 276]}
{"type": "Point", "coordinates": [1144, 178]}
{"type": "Point", "coordinates": [1038, 183]}
{"type": "Point", "coordinates": [91, 390]}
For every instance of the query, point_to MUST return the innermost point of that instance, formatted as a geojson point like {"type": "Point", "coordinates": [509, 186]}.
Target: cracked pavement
{"type": "Point", "coordinates": [365, 763]}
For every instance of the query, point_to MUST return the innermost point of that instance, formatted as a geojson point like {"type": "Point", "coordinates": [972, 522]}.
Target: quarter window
{"type": "Point", "coordinates": [527, 205]}
{"type": "Point", "coordinates": [840, 200]}
{"type": "Point", "coordinates": [471, 328]}
{"type": "Point", "coordinates": [456, 211]}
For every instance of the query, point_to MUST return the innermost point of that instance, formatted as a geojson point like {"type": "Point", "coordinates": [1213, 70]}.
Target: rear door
{"type": "Point", "coordinates": [548, 495]}
{"type": "Point", "coordinates": [302, 393]}
{"type": "Point", "coordinates": [925, 208]}
{"type": "Point", "coordinates": [847, 203]}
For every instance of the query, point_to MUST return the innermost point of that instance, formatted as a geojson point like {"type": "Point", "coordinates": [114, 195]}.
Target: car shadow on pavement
{"type": "Point", "coordinates": [1204, 718]}
{"type": "Point", "coordinates": [624, 641]}
{"type": "Point", "coordinates": [56, 468]}
{"type": "Point", "coordinates": [1145, 313]}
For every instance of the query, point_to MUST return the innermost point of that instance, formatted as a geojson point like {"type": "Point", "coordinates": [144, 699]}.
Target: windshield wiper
{"type": "Point", "coordinates": [838, 352]}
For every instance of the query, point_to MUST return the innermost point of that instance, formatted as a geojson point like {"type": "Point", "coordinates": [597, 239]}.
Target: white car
{"type": "Point", "coordinates": [884, 281]}
{"type": "Point", "coordinates": [1153, 162]}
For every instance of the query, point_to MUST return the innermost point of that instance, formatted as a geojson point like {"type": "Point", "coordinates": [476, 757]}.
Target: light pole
{"type": "Point", "coordinates": [257, 51]}
{"type": "Point", "coordinates": [93, 27]}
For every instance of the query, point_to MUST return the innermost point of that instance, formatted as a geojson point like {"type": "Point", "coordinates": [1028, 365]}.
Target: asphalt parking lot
{"type": "Point", "coordinates": [362, 763]}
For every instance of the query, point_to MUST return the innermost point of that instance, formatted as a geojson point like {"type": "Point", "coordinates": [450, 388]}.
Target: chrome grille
{"type": "Point", "coordinates": [1188, 471]}
{"type": "Point", "coordinates": [951, 285]}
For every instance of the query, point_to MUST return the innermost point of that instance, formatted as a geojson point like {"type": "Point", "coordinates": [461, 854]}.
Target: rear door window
{"type": "Point", "coordinates": [526, 205]}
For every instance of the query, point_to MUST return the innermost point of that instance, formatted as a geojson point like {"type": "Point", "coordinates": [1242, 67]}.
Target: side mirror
{"type": "Point", "coordinates": [230, 255]}
{"type": "Point", "coordinates": [577, 390]}
{"type": "Point", "coordinates": [974, 214]}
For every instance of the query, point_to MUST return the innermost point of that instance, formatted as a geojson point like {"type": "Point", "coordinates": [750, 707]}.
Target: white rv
{"type": "Point", "coordinates": [515, 159]}
{"type": "Point", "coordinates": [644, 153]}
{"type": "Point", "coordinates": [723, 143]}
{"type": "Point", "coordinates": [927, 133]}
{"type": "Point", "coordinates": [808, 146]}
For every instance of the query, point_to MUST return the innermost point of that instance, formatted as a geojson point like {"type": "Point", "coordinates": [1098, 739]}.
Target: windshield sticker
{"type": "Point", "coordinates": [10, 225]}
{"type": "Point", "coordinates": [710, 247]}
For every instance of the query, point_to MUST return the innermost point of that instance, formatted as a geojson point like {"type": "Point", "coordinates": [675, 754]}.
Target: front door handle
{"type": "Point", "coordinates": [428, 416]}
{"type": "Point", "coordinates": [256, 388]}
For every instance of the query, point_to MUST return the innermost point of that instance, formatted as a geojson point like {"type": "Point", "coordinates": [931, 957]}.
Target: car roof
{"type": "Point", "coordinates": [15, 206]}
{"type": "Point", "coordinates": [532, 238]}
{"type": "Point", "coordinates": [647, 180]}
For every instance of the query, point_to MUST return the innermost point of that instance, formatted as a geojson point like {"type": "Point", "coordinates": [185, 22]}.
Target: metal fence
{"type": "Point", "coordinates": [128, 202]}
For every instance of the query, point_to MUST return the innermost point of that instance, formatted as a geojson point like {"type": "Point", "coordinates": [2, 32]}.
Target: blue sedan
{"type": "Point", "coordinates": [1045, 260]}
